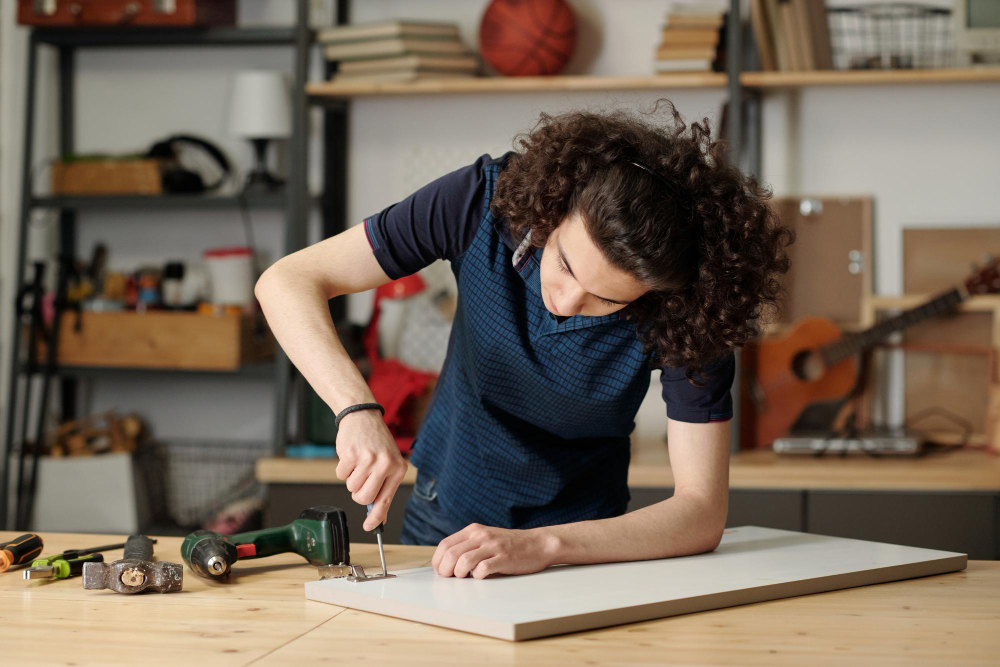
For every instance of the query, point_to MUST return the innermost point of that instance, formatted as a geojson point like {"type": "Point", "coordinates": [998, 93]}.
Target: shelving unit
{"type": "Point", "coordinates": [786, 80]}
{"type": "Point", "coordinates": [165, 202]}
{"type": "Point", "coordinates": [524, 84]}
{"type": "Point", "coordinates": [294, 199]}
{"type": "Point", "coordinates": [324, 91]}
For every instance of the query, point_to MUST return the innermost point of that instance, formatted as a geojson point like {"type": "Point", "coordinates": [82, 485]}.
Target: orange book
{"type": "Point", "coordinates": [700, 37]}
{"type": "Point", "coordinates": [681, 53]}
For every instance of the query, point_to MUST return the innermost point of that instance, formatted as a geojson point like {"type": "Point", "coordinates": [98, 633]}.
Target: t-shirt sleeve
{"type": "Point", "coordinates": [708, 403]}
{"type": "Point", "coordinates": [437, 221]}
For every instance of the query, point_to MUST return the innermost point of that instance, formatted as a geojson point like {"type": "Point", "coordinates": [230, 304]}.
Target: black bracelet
{"type": "Point", "coordinates": [354, 408]}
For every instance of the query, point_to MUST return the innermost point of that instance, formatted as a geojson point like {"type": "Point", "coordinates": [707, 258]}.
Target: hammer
{"type": "Point", "coordinates": [135, 572]}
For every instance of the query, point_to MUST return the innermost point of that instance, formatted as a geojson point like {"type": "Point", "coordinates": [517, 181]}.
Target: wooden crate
{"type": "Point", "coordinates": [107, 177]}
{"type": "Point", "coordinates": [950, 362]}
{"type": "Point", "coordinates": [168, 340]}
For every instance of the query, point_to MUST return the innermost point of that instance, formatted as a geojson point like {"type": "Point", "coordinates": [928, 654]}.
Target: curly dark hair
{"type": "Point", "coordinates": [698, 231]}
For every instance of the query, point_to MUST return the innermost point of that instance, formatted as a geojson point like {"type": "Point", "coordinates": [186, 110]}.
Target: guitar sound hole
{"type": "Point", "coordinates": [807, 366]}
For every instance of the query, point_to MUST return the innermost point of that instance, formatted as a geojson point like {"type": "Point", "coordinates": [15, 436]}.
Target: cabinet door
{"type": "Point", "coordinates": [963, 522]}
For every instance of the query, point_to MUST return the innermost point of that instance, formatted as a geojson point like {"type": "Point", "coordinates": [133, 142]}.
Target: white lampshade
{"type": "Point", "coordinates": [260, 107]}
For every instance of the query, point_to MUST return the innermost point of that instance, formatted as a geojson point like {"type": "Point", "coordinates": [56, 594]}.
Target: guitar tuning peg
{"type": "Point", "coordinates": [987, 258]}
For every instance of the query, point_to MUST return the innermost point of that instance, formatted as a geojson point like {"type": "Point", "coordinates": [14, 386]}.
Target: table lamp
{"type": "Point", "coordinates": [260, 110]}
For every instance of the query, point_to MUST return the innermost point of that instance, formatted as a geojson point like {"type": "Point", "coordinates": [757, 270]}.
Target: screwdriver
{"type": "Point", "coordinates": [378, 536]}
{"type": "Point", "coordinates": [53, 566]}
{"type": "Point", "coordinates": [61, 568]}
{"type": "Point", "coordinates": [20, 550]}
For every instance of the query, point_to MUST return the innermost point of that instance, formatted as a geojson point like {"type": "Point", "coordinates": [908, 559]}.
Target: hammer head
{"type": "Point", "coordinates": [133, 576]}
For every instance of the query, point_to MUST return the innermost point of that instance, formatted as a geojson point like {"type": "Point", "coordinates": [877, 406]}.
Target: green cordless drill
{"type": "Point", "coordinates": [319, 535]}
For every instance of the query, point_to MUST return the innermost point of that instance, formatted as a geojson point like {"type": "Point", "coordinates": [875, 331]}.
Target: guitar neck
{"type": "Point", "coordinates": [853, 344]}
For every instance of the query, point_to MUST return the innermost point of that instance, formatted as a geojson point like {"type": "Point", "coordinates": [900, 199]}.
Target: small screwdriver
{"type": "Point", "coordinates": [56, 566]}
{"type": "Point", "coordinates": [378, 536]}
{"type": "Point", "coordinates": [60, 568]}
{"type": "Point", "coordinates": [20, 550]}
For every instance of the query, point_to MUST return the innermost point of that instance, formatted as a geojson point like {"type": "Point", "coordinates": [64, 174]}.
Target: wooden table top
{"type": "Point", "coordinates": [961, 470]}
{"type": "Point", "coordinates": [262, 617]}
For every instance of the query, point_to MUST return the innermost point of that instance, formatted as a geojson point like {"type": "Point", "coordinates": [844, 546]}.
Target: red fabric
{"type": "Point", "coordinates": [394, 384]}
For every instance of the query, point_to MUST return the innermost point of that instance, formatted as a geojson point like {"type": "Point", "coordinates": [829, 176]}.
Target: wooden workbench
{"type": "Point", "coordinates": [262, 617]}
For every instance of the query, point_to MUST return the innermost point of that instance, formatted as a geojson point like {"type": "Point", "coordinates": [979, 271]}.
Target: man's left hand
{"type": "Point", "coordinates": [480, 551]}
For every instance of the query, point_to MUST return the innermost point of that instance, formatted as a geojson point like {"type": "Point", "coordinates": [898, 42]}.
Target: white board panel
{"type": "Point", "coordinates": [752, 564]}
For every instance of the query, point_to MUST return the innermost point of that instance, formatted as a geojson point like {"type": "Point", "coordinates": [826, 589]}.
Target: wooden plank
{"type": "Point", "coordinates": [751, 564]}
{"type": "Point", "coordinates": [671, 81]}
{"type": "Point", "coordinates": [869, 77]}
{"type": "Point", "coordinates": [519, 84]}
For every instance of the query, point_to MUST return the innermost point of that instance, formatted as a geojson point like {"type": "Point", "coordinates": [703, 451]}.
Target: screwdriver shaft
{"type": "Point", "coordinates": [381, 551]}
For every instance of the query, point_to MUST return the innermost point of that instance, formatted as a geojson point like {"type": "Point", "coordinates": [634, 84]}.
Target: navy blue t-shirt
{"type": "Point", "coordinates": [531, 417]}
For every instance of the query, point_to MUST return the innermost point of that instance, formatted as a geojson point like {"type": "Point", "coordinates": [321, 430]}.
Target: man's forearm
{"type": "Point", "coordinates": [678, 526]}
{"type": "Point", "coordinates": [299, 316]}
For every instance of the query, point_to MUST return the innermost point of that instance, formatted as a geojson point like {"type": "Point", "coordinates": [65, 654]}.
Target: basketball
{"type": "Point", "coordinates": [527, 37]}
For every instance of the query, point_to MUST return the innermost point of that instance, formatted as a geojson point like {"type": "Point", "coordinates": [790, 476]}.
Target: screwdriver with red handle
{"type": "Point", "coordinates": [20, 550]}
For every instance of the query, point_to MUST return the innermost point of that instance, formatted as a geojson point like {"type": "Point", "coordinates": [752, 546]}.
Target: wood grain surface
{"type": "Point", "coordinates": [263, 618]}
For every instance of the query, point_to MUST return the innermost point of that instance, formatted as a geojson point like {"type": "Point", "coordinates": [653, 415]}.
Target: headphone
{"type": "Point", "coordinates": [178, 179]}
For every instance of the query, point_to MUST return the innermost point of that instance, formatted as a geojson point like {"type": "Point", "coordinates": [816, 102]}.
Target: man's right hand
{"type": "Point", "coordinates": [370, 462]}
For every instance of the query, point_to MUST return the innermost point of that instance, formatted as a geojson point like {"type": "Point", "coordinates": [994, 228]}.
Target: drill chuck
{"type": "Point", "coordinates": [210, 556]}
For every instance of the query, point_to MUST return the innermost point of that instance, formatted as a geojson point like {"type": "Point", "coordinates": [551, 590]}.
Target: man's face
{"type": "Point", "coordinates": [578, 280]}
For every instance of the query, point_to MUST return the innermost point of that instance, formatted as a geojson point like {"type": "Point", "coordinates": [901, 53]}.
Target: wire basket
{"type": "Point", "coordinates": [891, 35]}
{"type": "Point", "coordinates": [189, 481]}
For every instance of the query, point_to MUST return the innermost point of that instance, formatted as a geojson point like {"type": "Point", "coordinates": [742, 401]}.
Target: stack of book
{"type": "Point", "coordinates": [690, 38]}
{"type": "Point", "coordinates": [791, 35]}
{"type": "Point", "coordinates": [397, 51]}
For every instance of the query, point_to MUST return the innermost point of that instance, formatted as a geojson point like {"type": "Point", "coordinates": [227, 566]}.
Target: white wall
{"type": "Point", "coordinates": [928, 154]}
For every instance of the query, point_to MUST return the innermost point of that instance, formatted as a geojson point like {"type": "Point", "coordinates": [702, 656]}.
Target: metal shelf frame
{"type": "Point", "coordinates": [166, 202]}
{"type": "Point", "coordinates": [294, 200]}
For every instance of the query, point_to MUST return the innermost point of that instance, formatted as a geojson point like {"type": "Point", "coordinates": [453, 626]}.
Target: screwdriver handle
{"type": "Point", "coordinates": [380, 527]}
{"type": "Point", "coordinates": [75, 565]}
{"type": "Point", "coordinates": [20, 550]}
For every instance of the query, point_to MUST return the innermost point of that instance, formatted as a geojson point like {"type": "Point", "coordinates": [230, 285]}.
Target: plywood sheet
{"type": "Point", "coordinates": [934, 260]}
{"type": "Point", "coordinates": [956, 382]}
{"type": "Point", "coordinates": [752, 564]}
{"type": "Point", "coordinates": [937, 259]}
{"type": "Point", "coordinates": [823, 279]}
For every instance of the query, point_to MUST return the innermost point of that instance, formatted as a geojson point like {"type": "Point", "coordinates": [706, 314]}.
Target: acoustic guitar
{"type": "Point", "coordinates": [817, 362]}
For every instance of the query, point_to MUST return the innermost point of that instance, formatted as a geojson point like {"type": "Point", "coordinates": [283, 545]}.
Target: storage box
{"type": "Point", "coordinates": [182, 341]}
{"type": "Point", "coordinates": [126, 13]}
{"type": "Point", "coordinates": [89, 494]}
{"type": "Point", "coordinates": [107, 177]}
{"type": "Point", "coordinates": [950, 367]}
